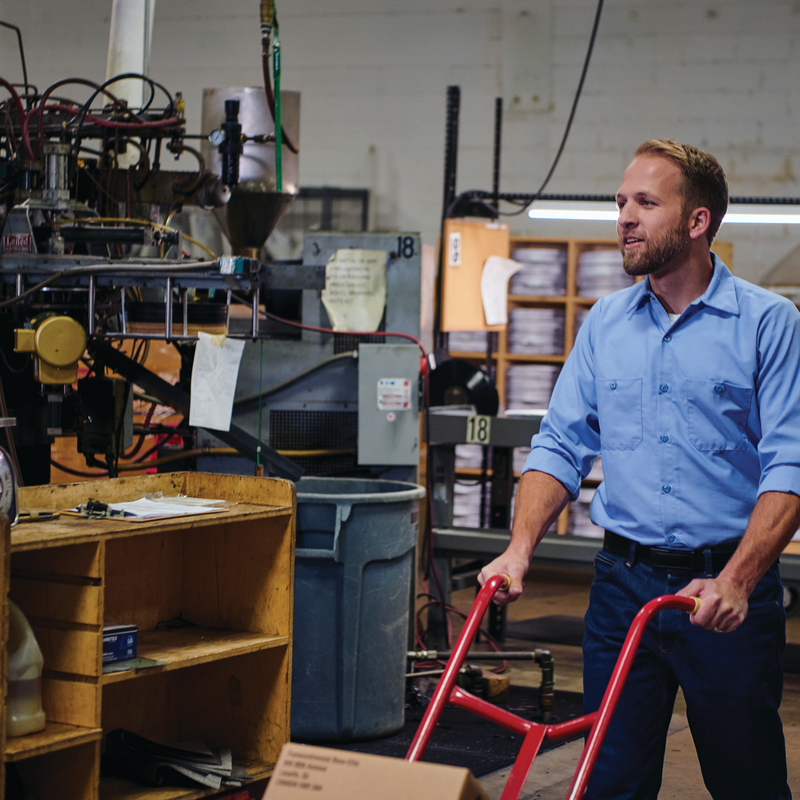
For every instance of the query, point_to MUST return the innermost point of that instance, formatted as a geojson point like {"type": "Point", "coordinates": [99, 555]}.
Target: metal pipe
{"type": "Point", "coordinates": [498, 131]}
{"type": "Point", "coordinates": [185, 312]}
{"type": "Point", "coordinates": [168, 309]}
{"type": "Point", "coordinates": [256, 296]}
{"type": "Point", "coordinates": [124, 320]}
{"type": "Point", "coordinates": [90, 312]}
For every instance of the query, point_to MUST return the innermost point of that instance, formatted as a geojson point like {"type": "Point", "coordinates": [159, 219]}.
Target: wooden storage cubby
{"type": "Point", "coordinates": [225, 680]}
{"type": "Point", "coordinates": [570, 301]}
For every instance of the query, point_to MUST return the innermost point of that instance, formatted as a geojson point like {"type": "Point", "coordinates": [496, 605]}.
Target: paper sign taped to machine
{"type": "Point", "coordinates": [214, 376]}
{"type": "Point", "coordinates": [304, 772]}
{"type": "Point", "coordinates": [394, 394]}
{"type": "Point", "coordinates": [355, 289]}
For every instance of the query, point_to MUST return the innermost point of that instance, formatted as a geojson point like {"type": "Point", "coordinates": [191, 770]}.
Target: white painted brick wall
{"type": "Point", "coordinates": [373, 76]}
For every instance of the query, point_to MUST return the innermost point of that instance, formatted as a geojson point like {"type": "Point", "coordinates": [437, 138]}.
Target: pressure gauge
{"type": "Point", "coordinates": [9, 491]}
{"type": "Point", "coordinates": [217, 137]}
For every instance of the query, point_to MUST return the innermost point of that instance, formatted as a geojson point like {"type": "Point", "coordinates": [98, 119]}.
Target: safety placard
{"type": "Point", "coordinates": [394, 394]}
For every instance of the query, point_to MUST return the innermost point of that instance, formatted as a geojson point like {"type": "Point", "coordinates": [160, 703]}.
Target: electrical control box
{"type": "Point", "coordinates": [388, 404]}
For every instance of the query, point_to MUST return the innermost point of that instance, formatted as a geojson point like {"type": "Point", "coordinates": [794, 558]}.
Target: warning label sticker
{"type": "Point", "coordinates": [394, 394]}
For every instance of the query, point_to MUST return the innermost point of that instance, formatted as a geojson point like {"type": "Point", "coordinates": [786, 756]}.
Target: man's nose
{"type": "Point", "coordinates": [627, 217]}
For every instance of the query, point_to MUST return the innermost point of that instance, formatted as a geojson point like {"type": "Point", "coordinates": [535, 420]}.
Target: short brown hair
{"type": "Point", "coordinates": [704, 182]}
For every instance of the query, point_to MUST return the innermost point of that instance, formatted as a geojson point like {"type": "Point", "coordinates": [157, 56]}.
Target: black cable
{"type": "Point", "coordinates": [10, 368]}
{"type": "Point", "coordinates": [571, 114]}
{"type": "Point", "coordinates": [82, 114]}
{"type": "Point", "coordinates": [21, 50]}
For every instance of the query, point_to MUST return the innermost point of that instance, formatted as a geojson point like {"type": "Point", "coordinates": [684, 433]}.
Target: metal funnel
{"type": "Point", "coordinates": [255, 207]}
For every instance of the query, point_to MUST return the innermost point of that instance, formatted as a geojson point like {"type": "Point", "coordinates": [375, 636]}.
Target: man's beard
{"type": "Point", "coordinates": [657, 252]}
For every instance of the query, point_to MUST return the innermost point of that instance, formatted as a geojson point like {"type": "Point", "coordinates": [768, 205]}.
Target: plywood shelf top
{"type": "Point", "coordinates": [55, 736]}
{"type": "Point", "coordinates": [68, 530]}
{"type": "Point", "coordinates": [189, 647]}
{"type": "Point", "coordinates": [120, 789]}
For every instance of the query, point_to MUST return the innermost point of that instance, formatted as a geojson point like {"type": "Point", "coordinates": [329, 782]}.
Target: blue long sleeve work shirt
{"type": "Point", "coordinates": [693, 420]}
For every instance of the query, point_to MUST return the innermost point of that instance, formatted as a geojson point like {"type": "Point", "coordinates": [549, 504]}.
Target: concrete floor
{"type": "Point", "coordinates": [566, 592]}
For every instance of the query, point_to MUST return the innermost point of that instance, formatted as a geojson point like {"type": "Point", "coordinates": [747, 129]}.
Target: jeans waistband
{"type": "Point", "coordinates": [710, 559]}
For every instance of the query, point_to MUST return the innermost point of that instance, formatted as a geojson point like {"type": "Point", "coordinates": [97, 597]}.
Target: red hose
{"type": "Point", "coordinates": [21, 112]}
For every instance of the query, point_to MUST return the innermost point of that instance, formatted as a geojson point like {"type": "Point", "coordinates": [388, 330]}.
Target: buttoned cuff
{"type": "Point", "coordinates": [543, 460]}
{"type": "Point", "coordinates": [780, 479]}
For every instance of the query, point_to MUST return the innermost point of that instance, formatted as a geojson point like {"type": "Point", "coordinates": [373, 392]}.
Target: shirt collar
{"type": "Point", "coordinates": [720, 293]}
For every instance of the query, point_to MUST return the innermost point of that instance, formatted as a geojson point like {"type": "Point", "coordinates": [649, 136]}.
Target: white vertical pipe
{"type": "Point", "coordinates": [129, 51]}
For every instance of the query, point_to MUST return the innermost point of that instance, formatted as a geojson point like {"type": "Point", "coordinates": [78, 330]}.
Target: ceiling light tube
{"type": "Point", "coordinates": [580, 214]}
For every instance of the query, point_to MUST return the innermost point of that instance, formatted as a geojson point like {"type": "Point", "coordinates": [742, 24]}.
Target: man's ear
{"type": "Point", "coordinates": [699, 222]}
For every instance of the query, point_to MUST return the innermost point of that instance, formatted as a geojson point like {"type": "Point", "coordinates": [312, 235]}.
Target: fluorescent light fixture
{"type": "Point", "coordinates": [577, 213]}
{"type": "Point", "coordinates": [754, 218]}
{"type": "Point", "coordinates": [764, 219]}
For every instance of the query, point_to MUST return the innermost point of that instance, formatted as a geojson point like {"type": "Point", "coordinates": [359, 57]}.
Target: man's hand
{"type": "Point", "coordinates": [514, 567]}
{"type": "Point", "coordinates": [724, 604]}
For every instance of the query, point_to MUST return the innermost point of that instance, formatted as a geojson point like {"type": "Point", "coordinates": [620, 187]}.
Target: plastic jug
{"type": "Point", "coordinates": [24, 712]}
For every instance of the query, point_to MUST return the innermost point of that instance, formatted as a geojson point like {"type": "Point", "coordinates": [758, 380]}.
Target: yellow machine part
{"type": "Point", "coordinates": [58, 343]}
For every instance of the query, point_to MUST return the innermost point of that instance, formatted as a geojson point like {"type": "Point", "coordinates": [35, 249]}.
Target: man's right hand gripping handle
{"type": "Point", "coordinates": [514, 567]}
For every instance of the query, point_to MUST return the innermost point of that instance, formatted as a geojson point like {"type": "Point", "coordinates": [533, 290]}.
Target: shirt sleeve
{"type": "Point", "coordinates": [569, 438]}
{"type": "Point", "coordinates": [778, 393]}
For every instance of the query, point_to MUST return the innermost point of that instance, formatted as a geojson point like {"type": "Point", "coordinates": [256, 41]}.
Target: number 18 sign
{"type": "Point", "coordinates": [478, 429]}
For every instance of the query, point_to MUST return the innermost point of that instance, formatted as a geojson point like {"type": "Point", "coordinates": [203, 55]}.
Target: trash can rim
{"type": "Point", "coordinates": [407, 491]}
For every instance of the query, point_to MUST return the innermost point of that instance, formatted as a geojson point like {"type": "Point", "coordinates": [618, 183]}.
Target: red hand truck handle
{"type": "Point", "coordinates": [618, 678]}
{"type": "Point", "coordinates": [598, 720]}
{"type": "Point", "coordinates": [448, 679]}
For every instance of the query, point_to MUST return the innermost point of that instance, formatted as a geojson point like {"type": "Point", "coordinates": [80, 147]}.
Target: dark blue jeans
{"type": "Point", "coordinates": [732, 683]}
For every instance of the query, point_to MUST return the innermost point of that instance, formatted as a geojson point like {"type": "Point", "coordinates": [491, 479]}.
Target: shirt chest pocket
{"type": "Point", "coordinates": [717, 415]}
{"type": "Point", "coordinates": [619, 410]}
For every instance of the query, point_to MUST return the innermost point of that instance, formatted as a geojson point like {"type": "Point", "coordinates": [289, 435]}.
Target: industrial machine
{"type": "Point", "coordinates": [103, 246]}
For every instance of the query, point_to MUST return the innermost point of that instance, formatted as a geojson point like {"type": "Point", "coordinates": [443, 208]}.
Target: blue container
{"type": "Point", "coordinates": [353, 569]}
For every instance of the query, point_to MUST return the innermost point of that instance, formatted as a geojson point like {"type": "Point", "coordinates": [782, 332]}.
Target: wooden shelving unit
{"type": "Point", "coordinates": [224, 679]}
{"type": "Point", "coordinates": [570, 301]}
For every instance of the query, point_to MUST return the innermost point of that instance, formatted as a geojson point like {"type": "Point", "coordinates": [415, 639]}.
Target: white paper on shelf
{"type": "Point", "coordinates": [495, 275]}
{"type": "Point", "coordinates": [214, 376]}
{"type": "Point", "coordinates": [146, 508]}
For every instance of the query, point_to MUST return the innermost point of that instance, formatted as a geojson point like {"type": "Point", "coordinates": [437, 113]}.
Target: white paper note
{"type": "Point", "coordinates": [214, 375]}
{"type": "Point", "coordinates": [355, 289]}
{"type": "Point", "coordinates": [495, 276]}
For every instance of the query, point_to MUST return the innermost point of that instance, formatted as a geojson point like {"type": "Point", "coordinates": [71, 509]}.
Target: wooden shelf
{"type": "Point", "coordinates": [189, 647]}
{"type": "Point", "coordinates": [55, 736]}
{"type": "Point", "coordinates": [535, 358]}
{"type": "Point", "coordinates": [225, 682]}
{"type": "Point", "coordinates": [120, 789]}
{"type": "Point", "coordinates": [470, 355]}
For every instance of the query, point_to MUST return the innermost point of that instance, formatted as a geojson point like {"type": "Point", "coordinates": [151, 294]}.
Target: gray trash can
{"type": "Point", "coordinates": [353, 572]}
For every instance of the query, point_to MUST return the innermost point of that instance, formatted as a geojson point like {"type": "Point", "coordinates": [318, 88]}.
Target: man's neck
{"type": "Point", "coordinates": [678, 284]}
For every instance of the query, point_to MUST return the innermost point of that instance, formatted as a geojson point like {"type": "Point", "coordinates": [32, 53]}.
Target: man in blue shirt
{"type": "Point", "coordinates": [688, 385]}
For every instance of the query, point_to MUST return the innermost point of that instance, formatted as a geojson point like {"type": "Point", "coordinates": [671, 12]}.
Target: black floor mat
{"type": "Point", "coordinates": [555, 629]}
{"type": "Point", "coordinates": [463, 740]}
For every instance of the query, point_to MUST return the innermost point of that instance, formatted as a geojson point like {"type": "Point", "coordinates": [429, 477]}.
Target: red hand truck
{"type": "Point", "coordinates": [536, 733]}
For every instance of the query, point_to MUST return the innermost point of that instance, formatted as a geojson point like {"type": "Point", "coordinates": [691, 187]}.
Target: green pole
{"type": "Point", "coordinates": [276, 72]}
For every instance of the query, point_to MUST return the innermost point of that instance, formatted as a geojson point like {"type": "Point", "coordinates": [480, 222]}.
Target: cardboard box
{"type": "Point", "coordinates": [119, 641]}
{"type": "Point", "coordinates": [304, 772]}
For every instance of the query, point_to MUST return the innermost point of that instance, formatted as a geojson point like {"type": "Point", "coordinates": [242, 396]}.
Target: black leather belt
{"type": "Point", "coordinates": [667, 558]}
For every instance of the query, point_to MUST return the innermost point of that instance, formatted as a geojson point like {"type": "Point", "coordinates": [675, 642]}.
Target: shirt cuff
{"type": "Point", "coordinates": [780, 479]}
{"type": "Point", "coordinates": [543, 460]}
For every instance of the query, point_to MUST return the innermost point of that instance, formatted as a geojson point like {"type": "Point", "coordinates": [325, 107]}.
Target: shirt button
{"type": "Point", "coordinates": [719, 388]}
{"type": "Point", "coordinates": [663, 388]}
{"type": "Point", "coordinates": [612, 385]}
{"type": "Point", "coordinates": [671, 537]}
{"type": "Point", "coordinates": [664, 437]}
{"type": "Point", "coordinates": [666, 489]}
{"type": "Point", "coordinates": [668, 338]}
